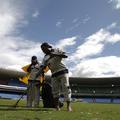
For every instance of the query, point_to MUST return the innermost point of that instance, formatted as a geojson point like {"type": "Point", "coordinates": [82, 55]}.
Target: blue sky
{"type": "Point", "coordinates": [88, 30]}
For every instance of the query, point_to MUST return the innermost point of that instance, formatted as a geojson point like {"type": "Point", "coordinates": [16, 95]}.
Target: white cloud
{"type": "Point", "coordinates": [116, 3]}
{"type": "Point", "coordinates": [58, 24]}
{"type": "Point", "coordinates": [35, 14]}
{"type": "Point", "coordinates": [99, 67]}
{"type": "Point", "coordinates": [113, 25]}
{"type": "Point", "coordinates": [77, 22]}
{"type": "Point", "coordinates": [12, 14]}
{"type": "Point", "coordinates": [6, 24]}
{"type": "Point", "coordinates": [15, 53]}
{"type": "Point", "coordinates": [94, 44]}
{"type": "Point", "coordinates": [76, 25]}
{"type": "Point", "coordinates": [114, 38]}
{"type": "Point", "coordinates": [66, 42]}
{"type": "Point", "coordinates": [86, 19]}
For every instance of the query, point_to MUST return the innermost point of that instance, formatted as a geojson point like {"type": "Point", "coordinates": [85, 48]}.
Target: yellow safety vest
{"type": "Point", "coordinates": [25, 78]}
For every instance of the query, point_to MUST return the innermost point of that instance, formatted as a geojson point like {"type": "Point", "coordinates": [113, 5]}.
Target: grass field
{"type": "Point", "coordinates": [81, 111]}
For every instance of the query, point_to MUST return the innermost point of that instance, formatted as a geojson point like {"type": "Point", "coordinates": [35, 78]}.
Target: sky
{"type": "Point", "coordinates": [87, 30]}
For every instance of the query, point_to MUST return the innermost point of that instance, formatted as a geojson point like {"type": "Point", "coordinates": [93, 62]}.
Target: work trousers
{"type": "Point", "coordinates": [33, 93]}
{"type": "Point", "coordinates": [60, 85]}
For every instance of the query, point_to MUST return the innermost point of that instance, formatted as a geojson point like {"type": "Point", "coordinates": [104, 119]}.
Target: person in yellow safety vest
{"type": "Point", "coordinates": [25, 78]}
{"type": "Point", "coordinates": [33, 86]}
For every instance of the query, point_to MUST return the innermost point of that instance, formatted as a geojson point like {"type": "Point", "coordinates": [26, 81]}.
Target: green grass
{"type": "Point", "coordinates": [81, 111]}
